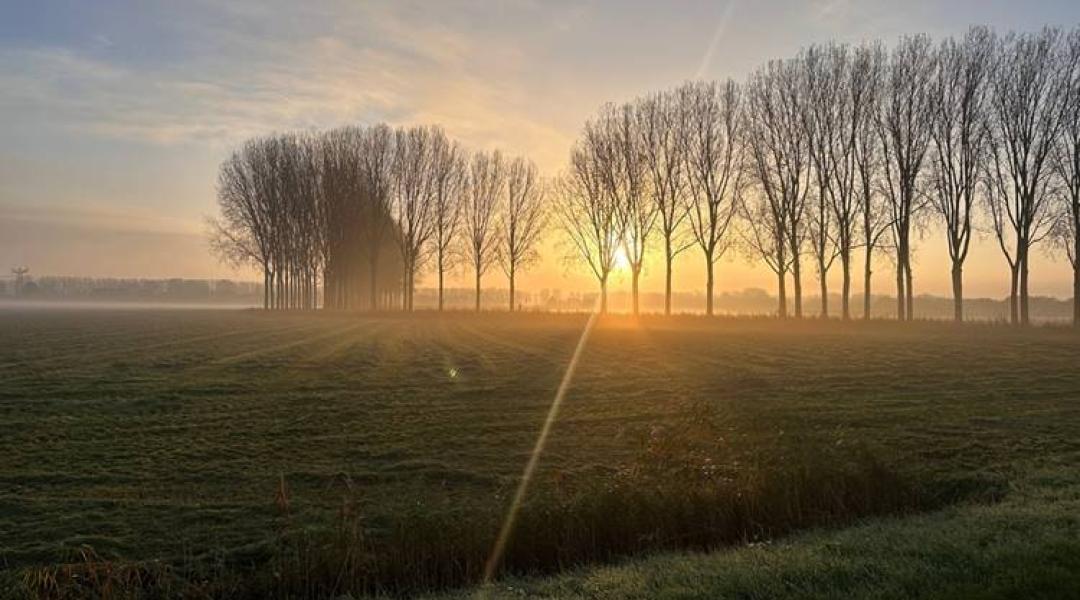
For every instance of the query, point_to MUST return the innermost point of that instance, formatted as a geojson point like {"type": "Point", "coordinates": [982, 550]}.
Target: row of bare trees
{"type": "Point", "coordinates": [838, 151]}
{"type": "Point", "coordinates": [362, 210]}
{"type": "Point", "coordinates": [664, 165]}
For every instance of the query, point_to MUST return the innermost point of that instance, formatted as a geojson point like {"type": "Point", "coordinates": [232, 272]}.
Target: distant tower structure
{"type": "Point", "coordinates": [20, 274]}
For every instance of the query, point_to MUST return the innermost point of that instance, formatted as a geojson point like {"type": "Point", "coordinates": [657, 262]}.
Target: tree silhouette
{"type": "Point", "coordinates": [778, 159]}
{"type": "Point", "coordinates": [588, 215]}
{"type": "Point", "coordinates": [959, 130]}
{"type": "Point", "coordinates": [714, 123]}
{"type": "Point", "coordinates": [662, 129]}
{"type": "Point", "coordinates": [904, 124]}
{"type": "Point", "coordinates": [1028, 100]}
{"type": "Point", "coordinates": [1066, 165]}
{"type": "Point", "coordinates": [487, 182]}
{"type": "Point", "coordinates": [522, 220]}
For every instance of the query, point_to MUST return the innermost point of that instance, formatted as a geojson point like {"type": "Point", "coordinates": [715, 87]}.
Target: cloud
{"type": "Point", "coordinates": [99, 217]}
{"type": "Point", "coordinates": [372, 64]}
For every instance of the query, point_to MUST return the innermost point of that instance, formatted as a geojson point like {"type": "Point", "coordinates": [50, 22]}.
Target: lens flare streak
{"type": "Point", "coordinates": [534, 459]}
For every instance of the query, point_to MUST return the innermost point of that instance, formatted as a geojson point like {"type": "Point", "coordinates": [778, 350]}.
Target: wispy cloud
{"type": "Point", "coordinates": [99, 217]}
{"type": "Point", "coordinates": [376, 65]}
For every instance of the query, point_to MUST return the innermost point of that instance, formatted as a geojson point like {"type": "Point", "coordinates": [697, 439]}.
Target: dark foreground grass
{"type": "Point", "coordinates": [685, 489]}
{"type": "Point", "coordinates": [229, 454]}
{"type": "Point", "coordinates": [1025, 546]}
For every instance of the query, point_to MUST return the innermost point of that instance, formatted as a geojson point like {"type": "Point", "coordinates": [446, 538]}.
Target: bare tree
{"type": "Point", "coordinates": [242, 234]}
{"type": "Point", "coordinates": [268, 195]}
{"type": "Point", "coordinates": [1066, 165]}
{"type": "Point", "coordinates": [588, 215]}
{"type": "Point", "coordinates": [779, 161]}
{"type": "Point", "coordinates": [852, 73]}
{"type": "Point", "coordinates": [714, 122]}
{"type": "Point", "coordinates": [1026, 118]}
{"type": "Point", "coordinates": [661, 125]}
{"type": "Point", "coordinates": [301, 176]}
{"type": "Point", "coordinates": [904, 125]}
{"type": "Point", "coordinates": [822, 69]}
{"type": "Point", "coordinates": [413, 200]}
{"type": "Point", "coordinates": [621, 163]}
{"type": "Point", "coordinates": [450, 177]}
{"type": "Point", "coordinates": [343, 209]}
{"type": "Point", "coordinates": [377, 153]}
{"type": "Point", "coordinates": [268, 163]}
{"type": "Point", "coordinates": [959, 130]}
{"type": "Point", "coordinates": [867, 75]}
{"type": "Point", "coordinates": [521, 222]}
{"type": "Point", "coordinates": [487, 181]}
{"type": "Point", "coordinates": [766, 237]}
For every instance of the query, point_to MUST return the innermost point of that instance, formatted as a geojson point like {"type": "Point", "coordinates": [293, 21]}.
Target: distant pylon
{"type": "Point", "coordinates": [20, 274]}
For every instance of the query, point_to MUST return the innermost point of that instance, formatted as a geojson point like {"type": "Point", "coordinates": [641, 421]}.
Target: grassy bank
{"type": "Point", "coordinates": [1025, 546]}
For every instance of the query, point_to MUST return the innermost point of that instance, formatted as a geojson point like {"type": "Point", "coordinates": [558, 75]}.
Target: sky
{"type": "Point", "coordinates": [115, 114]}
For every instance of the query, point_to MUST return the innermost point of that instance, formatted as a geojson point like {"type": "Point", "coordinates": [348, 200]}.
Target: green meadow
{"type": "Point", "coordinates": [149, 453]}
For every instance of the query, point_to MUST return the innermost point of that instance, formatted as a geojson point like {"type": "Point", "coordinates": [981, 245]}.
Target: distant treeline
{"type": "Point", "coordinates": [751, 301]}
{"type": "Point", "coordinates": [134, 290]}
{"type": "Point", "coordinates": [824, 160]}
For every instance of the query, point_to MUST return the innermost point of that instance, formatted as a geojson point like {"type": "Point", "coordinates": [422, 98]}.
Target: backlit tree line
{"type": "Point", "coordinates": [839, 155]}
{"type": "Point", "coordinates": [351, 216]}
{"type": "Point", "coordinates": [840, 151]}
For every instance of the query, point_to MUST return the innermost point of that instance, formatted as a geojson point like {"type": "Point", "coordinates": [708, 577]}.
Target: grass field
{"type": "Point", "coordinates": [179, 435]}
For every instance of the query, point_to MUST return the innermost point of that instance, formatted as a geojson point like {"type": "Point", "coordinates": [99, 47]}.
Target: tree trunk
{"type": "Point", "coordinates": [909, 289]}
{"type": "Point", "coordinates": [796, 280]}
{"type": "Point", "coordinates": [405, 288]}
{"type": "Point", "coordinates": [478, 288]}
{"type": "Point", "coordinates": [667, 279]}
{"type": "Point", "coordinates": [958, 291]}
{"type": "Point", "coordinates": [709, 283]}
{"type": "Point", "coordinates": [374, 303]}
{"type": "Point", "coordinates": [824, 289]}
{"type": "Point", "coordinates": [845, 291]}
{"type": "Point", "coordinates": [440, 284]}
{"type": "Point", "coordinates": [1076, 286]}
{"type": "Point", "coordinates": [1025, 317]}
{"type": "Point", "coordinates": [1014, 305]}
{"type": "Point", "coordinates": [511, 289]}
{"type": "Point", "coordinates": [868, 273]}
{"type": "Point", "coordinates": [266, 288]}
{"type": "Point", "coordinates": [603, 296]}
{"type": "Point", "coordinates": [279, 291]}
{"type": "Point", "coordinates": [635, 276]}
{"type": "Point", "coordinates": [781, 309]}
{"type": "Point", "coordinates": [901, 313]}
{"type": "Point", "coordinates": [325, 292]}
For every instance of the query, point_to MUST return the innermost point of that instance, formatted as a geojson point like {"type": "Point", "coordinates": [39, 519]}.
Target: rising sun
{"type": "Point", "coordinates": [622, 260]}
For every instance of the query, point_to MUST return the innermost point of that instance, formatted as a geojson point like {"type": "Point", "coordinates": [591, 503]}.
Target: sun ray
{"type": "Point", "coordinates": [538, 449]}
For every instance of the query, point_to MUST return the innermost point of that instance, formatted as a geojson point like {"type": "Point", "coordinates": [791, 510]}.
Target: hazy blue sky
{"type": "Point", "coordinates": [114, 114]}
